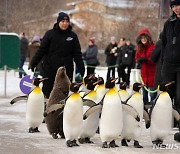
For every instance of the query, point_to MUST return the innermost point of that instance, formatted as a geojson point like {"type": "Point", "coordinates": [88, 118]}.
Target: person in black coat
{"type": "Point", "coordinates": [111, 57]}
{"type": "Point", "coordinates": [90, 56]}
{"type": "Point", "coordinates": [171, 52]}
{"type": "Point", "coordinates": [155, 57]}
{"type": "Point", "coordinates": [59, 47]}
{"type": "Point", "coordinates": [23, 51]}
{"type": "Point", "coordinates": [126, 60]}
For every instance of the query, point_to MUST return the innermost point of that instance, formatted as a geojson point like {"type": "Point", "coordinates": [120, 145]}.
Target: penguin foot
{"type": "Point", "coordinates": [31, 130]}
{"type": "Point", "coordinates": [157, 142]}
{"type": "Point", "coordinates": [81, 140]}
{"type": "Point", "coordinates": [177, 136]}
{"type": "Point", "coordinates": [69, 143]}
{"type": "Point", "coordinates": [104, 145]}
{"type": "Point", "coordinates": [62, 134]}
{"type": "Point", "coordinates": [36, 129]}
{"type": "Point", "coordinates": [112, 144]}
{"type": "Point", "coordinates": [124, 143]}
{"type": "Point", "coordinates": [137, 145]}
{"type": "Point", "coordinates": [54, 135]}
{"type": "Point", "coordinates": [87, 140]}
{"type": "Point", "coordinates": [74, 143]}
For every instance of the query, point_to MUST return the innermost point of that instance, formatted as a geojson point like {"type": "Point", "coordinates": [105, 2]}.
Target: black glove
{"type": "Point", "coordinates": [143, 60]}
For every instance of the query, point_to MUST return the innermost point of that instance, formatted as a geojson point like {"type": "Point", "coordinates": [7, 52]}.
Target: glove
{"type": "Point", "coordinates": [143, 60]}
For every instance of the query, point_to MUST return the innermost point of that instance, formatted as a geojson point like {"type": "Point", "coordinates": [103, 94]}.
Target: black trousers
{"type": "Point", "coordinates": [171, 72]}
{"type": "Point", "coordinates": [122, 73]}
{"type": "Point", "coordinates": [91, 69]}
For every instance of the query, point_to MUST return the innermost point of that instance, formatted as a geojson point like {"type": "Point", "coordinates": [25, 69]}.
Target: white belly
{"type": "Point", "coordinates": [111, 119]}
{"type": "Point", "coordinates": [161, 120]}
{"type": "Point", "coordinates": [73, 119]}
{"type": "Point", "coordinates": [90, 125]}
{"type": "Point", "coordinates": [35, 110]}
{"type": "Point", "coordinates": [132, 128]}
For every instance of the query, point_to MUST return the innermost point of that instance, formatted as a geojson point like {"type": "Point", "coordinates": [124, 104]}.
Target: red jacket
{"type": "Point", "coordinates": [147, 68]}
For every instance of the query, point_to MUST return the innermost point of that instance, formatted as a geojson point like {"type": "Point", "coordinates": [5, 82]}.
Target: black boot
{"type": "Point", "coordinates": [124, 143]}
{"type": "Point", "coordinates": [137, 145]}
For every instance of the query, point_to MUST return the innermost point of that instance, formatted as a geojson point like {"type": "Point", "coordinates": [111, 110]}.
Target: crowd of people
{"type": "Point", "coordinates": [158, 62]}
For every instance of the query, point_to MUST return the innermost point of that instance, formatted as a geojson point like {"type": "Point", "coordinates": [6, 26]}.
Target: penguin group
{"type": "Point", "coordinates": [77, 111]}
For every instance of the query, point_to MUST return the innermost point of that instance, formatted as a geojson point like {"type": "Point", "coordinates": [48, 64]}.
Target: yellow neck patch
{"type": "Point", "coordinates": [37, 90]}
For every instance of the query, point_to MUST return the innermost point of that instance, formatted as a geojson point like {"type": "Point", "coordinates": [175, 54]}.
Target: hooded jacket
{"type": "Point", "coordinates": [147, 68]}
{"type": "Point", "coordinates": [171, 41]}
{"type": "Point", "coordinates": [59, 48]}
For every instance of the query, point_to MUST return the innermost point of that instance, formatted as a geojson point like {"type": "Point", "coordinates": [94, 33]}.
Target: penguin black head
{"type": "Point", "coordinates": [100, 80]}
{"type": "Point", "coordinates": [123, 85]}
{"type": "Point", "coordinates": [163, 86]}
{"type": "Point", "coordinates": [110, 83]}
{"type": "Point", "coordinates": [88, 78]}
{"type": "Point", "coordinates": [91, 85]}
{"type": "Point", "coordinates": [37, 81]}
{"type": "Point", "coordinates": [137, 86]}
{"type": "Point", "coordinates": [74, 87]}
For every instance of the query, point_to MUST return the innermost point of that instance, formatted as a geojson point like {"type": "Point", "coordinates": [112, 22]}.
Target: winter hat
{"type": "Point", "coordinates": [113, 38]}
{"type": "Point", "coordinates": [174, 2]}
{"type": "Point", "coordinates": [92, 39]}
{"type": "Point", "coordinates": [144, 31]}
{"type": "Point", "coordinates": [62, 16]}
{"type": "Point", "coordinates": [36, 39]}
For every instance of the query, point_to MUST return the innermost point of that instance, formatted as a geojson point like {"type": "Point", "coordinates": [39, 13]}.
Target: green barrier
{"type": "Point", "coordinates": [9, 50]}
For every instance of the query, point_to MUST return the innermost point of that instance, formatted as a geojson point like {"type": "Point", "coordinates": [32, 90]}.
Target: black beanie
{"type": "Point", "coordinates": [174, 2]}
{"type": "Point", "coordinates": [62, 16]}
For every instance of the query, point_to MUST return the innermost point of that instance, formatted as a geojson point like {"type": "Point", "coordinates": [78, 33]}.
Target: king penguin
{"type": "Point", "coordinates": [59, 92]}
{"type": "Point", "coordinates": [90, 125]}
{"type": "Point", "coordinates": [73, 116]}
{"type": "Point", "coordinates": [111, 116]}
{"type": "Point", "coordinates": [132, 128]}
{"type": "Point", "coordinates": [34, 107]}
{"type": "Point", "coordinates": [124, 95]}
{"type": "Point", "coordinates": [161, 116]}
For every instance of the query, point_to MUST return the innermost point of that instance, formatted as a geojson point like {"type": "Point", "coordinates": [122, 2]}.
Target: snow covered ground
{"type": "Point", "coordinates": [15, 139]}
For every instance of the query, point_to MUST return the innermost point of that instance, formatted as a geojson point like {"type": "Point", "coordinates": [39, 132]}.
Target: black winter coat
{"type": "Point", "coordinates": [59, 48]}
{"type": "Point", "coordinates": [171, 41]}
{"type": "Point", "coordinates": [110, 57]}
{"type": "Point", "coordinates": [126, 55]}
{"type": "Point", "coordinates": [155, 57]}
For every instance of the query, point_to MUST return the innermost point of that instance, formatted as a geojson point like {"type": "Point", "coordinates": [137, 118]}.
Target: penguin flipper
{"type": "Point", "coordinates": [19, 98]}
{"type": "Point", "coordinates": [91, 110]}
{"type": "Point", "coordinates": [175, 114]}
{"type": "Point", "coordinates": [53, 108]}
{"type": "Point", "coordinates": [88, 102]}
{"type": "Point", "coordinates": [132, 111]}
{"type": "Point", "coordinates": [146, 118]}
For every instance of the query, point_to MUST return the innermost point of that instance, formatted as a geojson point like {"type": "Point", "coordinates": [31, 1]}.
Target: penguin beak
{"type": "Point", "coordinates": [114, 80]}
{"type": "Point", "coordinates": [43, 79]}
{"type": "Point", "coordinates": [141, 85]}
{"type": "Point", "coordinates": [90, 77]}
{"type": "Point", "coordinates": [168, 84]}
{"type": "Point", "coordinates": [95, 83]}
